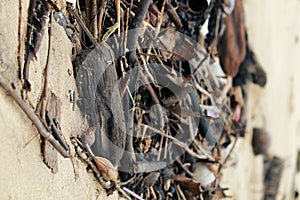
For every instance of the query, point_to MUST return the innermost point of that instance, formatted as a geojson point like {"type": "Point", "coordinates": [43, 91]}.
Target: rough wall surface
{"type": "Point", "coordinates": [23, 173]}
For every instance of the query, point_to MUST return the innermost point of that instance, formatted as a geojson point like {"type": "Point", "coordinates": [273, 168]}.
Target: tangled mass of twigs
{"type": "Point", "coordinates": [162, 85]}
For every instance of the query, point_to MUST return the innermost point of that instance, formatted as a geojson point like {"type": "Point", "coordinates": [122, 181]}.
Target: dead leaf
{"type": "Point", "coordinates": [189, 185]}
{"type": "Point", "coordinates": [107, 169]}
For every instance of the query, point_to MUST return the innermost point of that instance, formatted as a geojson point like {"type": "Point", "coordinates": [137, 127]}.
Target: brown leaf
{"type": "Point", "coordinates": [107, 169]}
{"type": "Point", "coordinates": [49, 152]}
{"type": "Point", "coordinates": [232, 44]}
{"type": "Point", "coordinates": [189, 185]}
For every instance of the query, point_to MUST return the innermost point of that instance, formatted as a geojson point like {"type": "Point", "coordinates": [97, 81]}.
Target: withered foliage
{"type": "Point", "coordinates": [163, 116]}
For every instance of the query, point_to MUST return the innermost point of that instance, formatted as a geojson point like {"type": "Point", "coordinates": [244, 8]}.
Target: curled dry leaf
{"type": "Point", "coordinates": [189, 185]}
{"type": "Point", "coordinates": [107, 169]}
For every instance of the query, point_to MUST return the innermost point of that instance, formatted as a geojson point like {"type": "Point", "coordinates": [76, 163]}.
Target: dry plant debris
{"type": "Point", "coordinates": [151, 87]}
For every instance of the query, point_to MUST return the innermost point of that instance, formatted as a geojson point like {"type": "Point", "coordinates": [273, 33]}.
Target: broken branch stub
{"type": "Point", "coordinates": [34, 119]}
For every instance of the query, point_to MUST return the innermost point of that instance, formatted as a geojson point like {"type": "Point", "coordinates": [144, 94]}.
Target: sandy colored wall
{"type": "Point", "coordinates": [274, 33]}
{"type": "Point", "coordinates": [23, 173]}
{"type": "Point", "coordinates": [274, 27]}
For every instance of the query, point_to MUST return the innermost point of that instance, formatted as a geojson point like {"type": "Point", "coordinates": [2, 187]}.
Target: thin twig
{"type": "Point", "coordinates": [185, 168]}
{"type": "Point", "coordinates": [155, 99]}
{"type": "Point", "coordinates": [123, 193]}
{"type": "Point", "coordinates": [160, 148]}
{"type": "Point", "coordinates": [229, 154]}
{"type": "Point", "coordinates": [145, 68]}
{"type": "Point", "coordinates": [118, 9]}
{"type": "Point", "coordinates": [200, 148]}
{"type": "Point", "coordinates": [180, 192]}
{"type": "Point", "coordinates": [100, 16]}
{"type": "Point", "coordinates": [29, 141]}
{"type": "Point", "coordinates": [83, 26]}
{"type": "Point", "coordinates": [88, 12]}
{"type": "Point", "coordinates": [109, 32]}
{"type": "Point", "coordinates": [157, 28]}
{"type": "Point", "coordinates": [225, 90]}
{"type": "Point", "coordinates": [137, 24]}
{"type": "Point", "coordinates": [177, 142]}
{"type": "Point", "coordinates": [196, 69]}
{"type": "Point", "coordinates": [128, 181]}
{"type": "Point", "coordinates": [94, 18]}
{"type": "Point", "coordinates": [202, 90]}
{"type": "Point", "coordinates": [34, 119]}
{"type": "Point", "coordinates": [126, 35]}
{"type": "Point", "coordinates": [45, 92]}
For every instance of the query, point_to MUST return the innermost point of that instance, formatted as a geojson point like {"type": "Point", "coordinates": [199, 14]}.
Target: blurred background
{"type": "Point", "coordinates": [274, 34]}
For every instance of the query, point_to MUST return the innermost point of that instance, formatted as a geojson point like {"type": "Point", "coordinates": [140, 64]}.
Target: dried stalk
{"type": "Point", "coordinates": [83, 26]}
{"type": "Point", "coordinates": [45, 92]}
{"type": "Point", "coordinates": [229, 154]}
{"type": "Point", "coordinates": [100, 16]}
{"type": "Point", "coordinates": [88, 12]}
{"type": "Point", "coordinates": [118, 9]}
{"type": "Point", "coordinates": [155, 99]}
{"type": "Point", "coordinates": [94, 18]}
{"type": "Point", "coordinates": [137, 24]}
{"type": "Point", "coordinates": [200, 148]}
{"type": "Point", "coordinates": [55, 131]}
{"type": "Point", "coordinates": [202, 90]}
{"type": "Point", "coordinates": [185, 168]}
{"type": "Point", "coordinates": [145, 68]}
{"type": "Point", "coordinates": [126, 34]}
{"type": "Point", "coordinates": [34, 119]}
{"type": "Point", "coordinates": [181, 194]}
{"type": "Point", "coordinates": [157, 28]}
{"type": "Point", "coordinates": [196, 69]}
